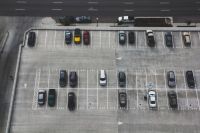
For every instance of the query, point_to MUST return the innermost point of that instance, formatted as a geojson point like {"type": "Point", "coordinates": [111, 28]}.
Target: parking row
{"type": "Point", "coordinates": [90, 95]}
{"type": "Point", "coordinates": [107, 99]}
{"type": "Point", "coordinates": [110, 39]}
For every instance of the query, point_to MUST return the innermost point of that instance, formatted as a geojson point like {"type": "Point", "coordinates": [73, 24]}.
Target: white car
{"type": "Point", "coordinates": [152, 100]}
{"type": "Point", "coordinates": [102, 78]}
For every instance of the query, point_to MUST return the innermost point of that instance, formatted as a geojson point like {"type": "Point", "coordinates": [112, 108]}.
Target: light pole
{"type": "Point", "coordinates": [97, 19]}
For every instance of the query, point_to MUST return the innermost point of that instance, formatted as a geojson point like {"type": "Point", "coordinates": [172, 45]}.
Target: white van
{"type": "Point", "coordinates": [102, 78]}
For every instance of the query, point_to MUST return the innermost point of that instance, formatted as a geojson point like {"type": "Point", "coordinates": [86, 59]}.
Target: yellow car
{"type": "Point", "coordinates": [77, 36]}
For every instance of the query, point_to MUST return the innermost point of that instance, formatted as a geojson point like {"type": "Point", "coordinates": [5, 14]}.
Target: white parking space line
{"type": "Point", "coordinates": [156, 79]}
{"type": "Point", "coordinates": [136, 40]}
{"type": "Point", "coordinates": [87, 88]}
{"type": "Point", "coordinates": [185, 89]}
{"type": "Point", "coordinates": [36, 39]}
{"type": "Point", "coordinates": [54, 42]}
{"type": "Point", "coordinates": [180, 33]}
{"type": "Point", "coordinates": [97, 91]}
{"type": "Point", "coordinates": [136, 88]}
{"type": "Point", "coordinates": [199, 36]}
{"type": "Point", "coordinates": [109, 39]}
{"type": "Point", "coordinates": [91, 41]}
{"type": "Point", "coordinates": [57, 90]}
{"type": "Point", "coordinates": [77, 90]}
{"type": "Point", "coordinates": [173, 44]}
{"type": "Point", "coordinates": [117, 92]}
{"type": "Point", "coordinates": [126, 90]}
{"type": "Point", "coordinates": [64, 39]}
{"type": "Point", "coordinates": [197, 95]}
{"type": "Point", "coordinates": [146, 78]}
{"type": "Point", "coordinates": [163, 36]}
{"type": "Point", "coordinates": [100, 39]}
{"type": "Point", "coordinates": [35, 90]}
{"type": "Point", "coordinates": [45, 42]}
{"type": "Point", "coordinates": [166, 87]}
{"type": "Point", "coordinates": [176, 87]}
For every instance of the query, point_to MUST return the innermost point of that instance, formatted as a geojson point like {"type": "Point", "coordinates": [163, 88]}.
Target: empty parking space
{"type": "Point", "coordinates": [177, 36]}
{"type": "Point", "coordinates": [195, 39]}
{"type": "Point", "coordinates": [161, 79]}
{"type": "Point", "coordinates": [132, 98]}
{"type": "Point", "coordinates": [141, 39]}
{"type": "Point", "coordinates": [131, 79]}
{"type": "Point", "coordinates": [159, 39]}
{"type": "Point", "coordinates": [162, 99]}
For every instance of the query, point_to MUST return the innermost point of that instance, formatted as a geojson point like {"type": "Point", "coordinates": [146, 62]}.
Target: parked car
{"type": "Point", "coordinates": [125, 20]}
{"type": "Point", "coordinates": [122, 99]}
{"type": "Point", "coordinates": [171, 80]}
{"type": "Point", "coordinates": [68, 37]}
{"type": "Point", "coordinates": [86, 37]}
{"type": "Point", "coordinates": [71, 101]}
{"type": "Point", "coordinates": [122, 79]}
{"type": "Point", "coordinates": [52, 97]}
{"type": "Point", "coordinates": [102, 78]}
{"type": "Point", "coordinates": [83, 19]}
{"type": "Point", "coordinates": [77, 36]}
{"type": "Point", "coordinates": [172, 96]}
{"type": "Point", "coordinates": [190, 79]}
{"type": "Point", "coordinates": [168, 39]}
{"type": "Point", "coordinates": [131, 37]}
{"type": "Point", "coordinates": [31, 39]}
{"type": "Point", "coordinates": [150, 38]}
{"type": "Point", "coordinates": [152, 99]}
{"type": "Point", "coordinates": [186, 39]}
{"type": "Point", "coordinates": [63, 78]}
{"type": "Point", "coordinates": [41, 97]}
{"type": "Point", "coordinates": [73, 79]}
{"type": "Point", "coordinates": [122, 37]}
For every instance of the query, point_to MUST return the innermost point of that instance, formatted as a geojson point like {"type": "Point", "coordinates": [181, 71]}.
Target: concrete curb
{"type": "Point", "coordinates": [62, 28]}
{"type": "Point", "coordinates": [15, 84]}
{"type": "Point", "coordinates": [4, 41]}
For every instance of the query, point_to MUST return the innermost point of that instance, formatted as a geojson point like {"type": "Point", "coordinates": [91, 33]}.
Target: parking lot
{"type": "Point", "coordinates": [97, 107]}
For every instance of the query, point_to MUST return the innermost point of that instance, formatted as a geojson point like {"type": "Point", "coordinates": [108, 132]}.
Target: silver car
{"type": "Point", "coordinates": [152, 99]}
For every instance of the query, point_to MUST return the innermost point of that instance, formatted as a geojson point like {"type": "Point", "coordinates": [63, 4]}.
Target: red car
{"type": "Point", "coordinates": [86, 37]}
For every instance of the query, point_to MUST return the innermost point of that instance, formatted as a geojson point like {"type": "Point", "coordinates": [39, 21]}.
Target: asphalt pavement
{"type": "Point", "coordinates": [100, 8]}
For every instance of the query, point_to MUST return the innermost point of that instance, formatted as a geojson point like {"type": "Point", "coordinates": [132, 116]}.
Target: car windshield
{"type": "Point", "coordinates": [153, 102]}
{"type": "Point", "coordinates": [102, 78]}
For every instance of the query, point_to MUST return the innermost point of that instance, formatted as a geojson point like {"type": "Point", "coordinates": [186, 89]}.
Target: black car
{"type": "Point", "coordinates": [68, 37]}
{"type": "Point", "coordinates": [190, 79]}
{"type": "Point", "coordinates": [71, 101]}
{"type": "Point", "coordinates": [52, 97]}
{"type": "Point", "coordinates": [41, 97]}
{"type": "Point", "coordinates": [168, 39]}
{"type": "Point", "coordinates": [73, 79]}
{"type": "Point", "coordinates": [31, 39]}
{"type": "Point", "coordinates": [122, 99]}
{"type": "Point", "coordinates": [63, 78]}
{"type": "Point", "coordinates": [122, 79]}
{"type": "Point", "coordinates": [171, 79]}
{"type": "Point", "coordinates": [172, 96]}
{"type": "Point", "coordinates": [131, 37]}
{"type": "Point", "coordinates": [83, 19]}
